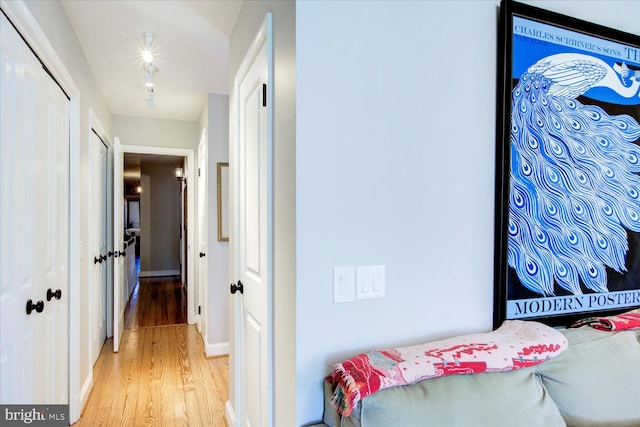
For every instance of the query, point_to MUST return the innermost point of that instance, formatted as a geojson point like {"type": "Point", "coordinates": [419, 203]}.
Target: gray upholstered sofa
{"type": "Point", "coordinates": [595, 382]}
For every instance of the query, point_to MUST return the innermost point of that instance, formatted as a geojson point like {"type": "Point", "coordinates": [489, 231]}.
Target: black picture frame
{"type": "Point", "coordinates": [558, 106]}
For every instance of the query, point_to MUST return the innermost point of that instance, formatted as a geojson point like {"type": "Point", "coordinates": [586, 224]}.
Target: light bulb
{"type": "Point", "coordinates": [146, 53]}
{"type": "Point", "coordinates": [147, 56]}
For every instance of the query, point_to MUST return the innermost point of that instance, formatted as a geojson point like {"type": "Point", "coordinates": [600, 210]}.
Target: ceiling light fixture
{"type": "Point", "coordinates": [150, 103]}
{"type": "Point", "coordinates": [180, 174]}
{"type": "Point", "coordinates": [146, 53]}
{"type": "Point", "coordinates": [148, 79]}
{"type": "Point", "coordinates": [149, 68]}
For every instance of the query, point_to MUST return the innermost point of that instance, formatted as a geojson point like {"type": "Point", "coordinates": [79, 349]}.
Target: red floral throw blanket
{"type": "Point", "coordinates": [620, 322]}
{"type": "Point", "coordinates": [516, 344]}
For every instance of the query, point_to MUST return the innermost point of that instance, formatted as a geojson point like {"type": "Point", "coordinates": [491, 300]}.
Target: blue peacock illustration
{"type": "Point", "coordinates": [575, 188]}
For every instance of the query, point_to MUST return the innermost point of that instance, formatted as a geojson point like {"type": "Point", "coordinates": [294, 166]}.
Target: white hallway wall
{"type": "Point", "coordinates": [215, 121]}
{"type": "Point", "coordinates": [155, 132]}
{"type": "Point", "coordinates": [395, 143]}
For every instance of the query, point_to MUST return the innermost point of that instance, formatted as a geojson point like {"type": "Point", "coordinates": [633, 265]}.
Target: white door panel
{"type": "Point", "coordinates": [34, 123]}
{"type": "Point", "coordinates": [99, 245]}
{"type": "Point", "coordinates": [118, 244]}
{"type": "Point", "coordinates": [253, 219]}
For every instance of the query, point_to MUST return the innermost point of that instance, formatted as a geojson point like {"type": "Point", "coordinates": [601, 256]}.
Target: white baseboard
{"type": "Point", "coordinates": [85, 391]}
{"type": "Point", "coordinates": [230, 415]}
{"type": "Point", "coordinates": [159, 273]}
{"type": "Point", "coordinates": [218, 349]}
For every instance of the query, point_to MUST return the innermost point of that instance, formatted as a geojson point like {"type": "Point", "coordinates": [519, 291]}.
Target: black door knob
{"type": "Point", "coordinates": [237, 288]}
{"type": "Point", "coordinates": [110, 253]}
{"type": "Point", "coordinates": [202, 254]}
{"type": "Point", "coordinates": [97, 259]}
{"type": "Point", "coordinates": [51, 294]}
{"type": "Point", "coordinates": [39, 306]}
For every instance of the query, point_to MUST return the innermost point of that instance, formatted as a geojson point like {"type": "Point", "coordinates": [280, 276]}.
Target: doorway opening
{"type": "Point", "coordinates": [155, 226]}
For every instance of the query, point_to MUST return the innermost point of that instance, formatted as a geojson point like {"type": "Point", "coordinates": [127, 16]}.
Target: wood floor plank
{"type": "Point", "coordinates": [160, 376]}
{"type": "Point", "coordinates": [132, 362]}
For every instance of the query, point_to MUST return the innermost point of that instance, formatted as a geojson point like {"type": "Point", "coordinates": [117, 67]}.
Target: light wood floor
{"type": "Point", "coordinates": [160, 377]}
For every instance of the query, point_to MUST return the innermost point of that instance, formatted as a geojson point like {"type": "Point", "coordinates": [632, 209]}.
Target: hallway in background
{"type": "Point", "coordinates": [160, 376]}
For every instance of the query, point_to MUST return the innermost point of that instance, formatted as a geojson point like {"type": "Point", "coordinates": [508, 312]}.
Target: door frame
{"type": "Point", "coordinates": [203, 229]}
{"type": "Point", "coordinates": [20, 16]}
{"type": "Point", "coordinates": [234, 414]}
{"type": "Point", "coordinates": [190, 175]}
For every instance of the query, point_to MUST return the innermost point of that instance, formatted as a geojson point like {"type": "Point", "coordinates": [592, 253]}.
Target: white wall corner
{"type": "Point", "coordinates": [217, 349]}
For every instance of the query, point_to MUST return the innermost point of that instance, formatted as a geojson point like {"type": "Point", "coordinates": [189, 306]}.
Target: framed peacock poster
{"type": "Point", "coordinates": [567, 241]}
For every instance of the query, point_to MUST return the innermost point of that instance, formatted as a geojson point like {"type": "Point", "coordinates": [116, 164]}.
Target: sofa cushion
{"type": "Point", "coordinates": [514, 398]}
{"type": "Point", "coordinates": [596, 381]}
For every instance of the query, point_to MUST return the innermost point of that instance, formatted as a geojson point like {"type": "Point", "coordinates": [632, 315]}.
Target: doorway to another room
{"type": "Point", "coordinates": [155, 229]}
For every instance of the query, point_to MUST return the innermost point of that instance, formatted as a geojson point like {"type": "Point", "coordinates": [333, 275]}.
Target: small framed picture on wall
{"type": "Point", "coordinates": [223, 202]}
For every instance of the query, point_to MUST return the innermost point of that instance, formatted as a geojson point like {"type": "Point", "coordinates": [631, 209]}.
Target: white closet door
{"type": "Point", "coordinates": [99, 245]}
{"type": "Point", "coordinates": [119, 293]}
{"type": "Point", "coordinates": [34, 195]}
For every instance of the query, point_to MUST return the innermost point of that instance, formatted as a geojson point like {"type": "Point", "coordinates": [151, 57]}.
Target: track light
{"type": "Point", "coordinates": [146, 53]}
{"type": "Point", "coordinates": [147, 57]}
{"type": "Point", "coordinates": [148, 80]}
{"type": "Point", "coordinates": [150, 103]}
{"type": "Point", "coordinates": [149, 69]}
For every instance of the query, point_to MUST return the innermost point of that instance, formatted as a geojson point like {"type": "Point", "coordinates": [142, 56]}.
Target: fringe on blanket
{"type": "Point", "coordinates": [620, 322]}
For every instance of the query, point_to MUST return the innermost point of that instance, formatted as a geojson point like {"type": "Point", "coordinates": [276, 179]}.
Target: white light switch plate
{"type": "Point", "coordinates": [370, 282]}
{"type": "Point", "coordinates": [344, 284]}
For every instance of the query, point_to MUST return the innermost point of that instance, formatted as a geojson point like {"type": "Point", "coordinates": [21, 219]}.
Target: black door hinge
{"type": "Point", "coordinates": [199, 309]}
{"type": "Point", "coordinates": [198, 172]}
{"type": "Point", "coordinates": [264, 94]}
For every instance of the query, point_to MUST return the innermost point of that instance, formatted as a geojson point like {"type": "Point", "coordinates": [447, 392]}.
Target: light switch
{"type": "Point", "coordinates": [344, 284]}
{"type": "Point", "coordinates": [378, 279]}
{"type": "Point", "coordinates": [366, 282]}
{"type": "Point", "coordinates": [370, 282]}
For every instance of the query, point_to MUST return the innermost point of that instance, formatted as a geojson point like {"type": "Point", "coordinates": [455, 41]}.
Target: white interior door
{"type": "Point", "coordinates": [119, 294]}
{"type": "Point", "coordinates": [202, 230]}
{"type": "Point", "coordinates": [99, 245]}
{"type": "Point", "coordinates": [34, 224]}
{"type": "Point", "coordinates": [253, 247]}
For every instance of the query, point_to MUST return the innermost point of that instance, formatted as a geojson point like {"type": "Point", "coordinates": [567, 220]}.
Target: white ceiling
{"type": "Point", "coordinates": [190, 48]}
